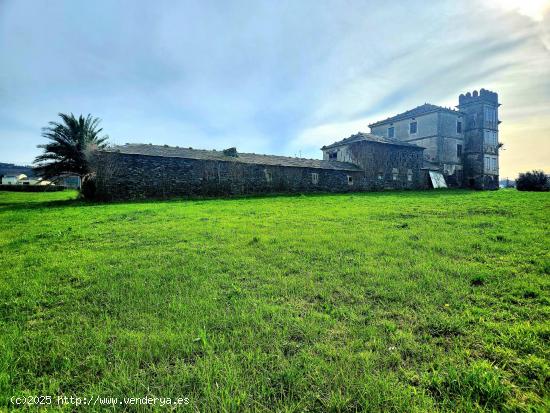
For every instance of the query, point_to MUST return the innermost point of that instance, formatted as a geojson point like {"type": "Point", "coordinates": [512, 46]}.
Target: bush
{"type": "Point", "coordinates": [532, 181]}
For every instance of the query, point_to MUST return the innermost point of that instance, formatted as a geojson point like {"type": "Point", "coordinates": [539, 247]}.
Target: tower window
{"type": "Point", "coordinates": [458, 151]}
{"type": "Point", "coordinates": [490, 163]}
{"type": "Point", "coordinates": [458, 126]}
{"type": "Point", "coordinates": [391, 132]}
{"type": "Point", "coordinates": [490, 116]}
{"type": "Point", "coordinates": [490, 138]}
{"type": "Point", "coordinates": [413, 127]}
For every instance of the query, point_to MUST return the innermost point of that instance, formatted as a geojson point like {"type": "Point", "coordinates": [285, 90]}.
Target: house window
{"type": "Point", "coordinates": [332, 156]}
{"type": "Point", "coordinates": [395, 174]}
{"type": "Point", "coordinates": [268, 176]}
{"type": "Point", "coordinates": [350, 180]}
{"type": "Point", "coordinates": [413, 127]}
{"type": "Point", "coordinates": [380, 175]}
{"type": "Point", "coordinates": [409, 175]}
{"type": "Point", "coordinates": [391, 132]}
{"type": "Point", "coordinates": [458, 126]}
{"type": "Point", "coordinates": [314, 178]}
{"type": "Point", "coordinates": [458, 151]}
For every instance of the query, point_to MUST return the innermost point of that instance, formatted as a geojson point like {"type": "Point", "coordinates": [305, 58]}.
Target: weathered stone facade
{"type": "Point", "coordinates": [137, 176]}
{"type": "Point", "coordinates": [149, 171]}
{"type": "Point", "coordinates": [481, 161]}
{"type": "Point", "coordinates": [461, 144]}
{"type": "Point", "coordinates": [386, 164]}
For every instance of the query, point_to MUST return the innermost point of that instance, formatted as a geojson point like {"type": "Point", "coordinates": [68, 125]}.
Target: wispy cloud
{"type": "Point", "coordinates": [278, 77]}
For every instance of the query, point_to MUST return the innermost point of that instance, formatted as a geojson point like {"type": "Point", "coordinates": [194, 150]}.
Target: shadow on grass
{"type": "Point", "coordinates": [13, 206]}
{"type": "Point", "coordinates": [78, 202]}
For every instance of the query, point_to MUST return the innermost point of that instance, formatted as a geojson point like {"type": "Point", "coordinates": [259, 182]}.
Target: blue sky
{"type": "Point", "coordinates": [280, 77]}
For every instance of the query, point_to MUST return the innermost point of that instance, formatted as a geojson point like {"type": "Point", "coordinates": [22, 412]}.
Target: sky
{"type": "Point", "coordinates": [277, 77]}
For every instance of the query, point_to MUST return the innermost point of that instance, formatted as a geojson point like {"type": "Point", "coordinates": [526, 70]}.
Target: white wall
{"type": "Point", "coordinates": [9, 180]}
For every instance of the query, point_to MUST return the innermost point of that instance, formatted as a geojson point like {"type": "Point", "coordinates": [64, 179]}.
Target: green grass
{"type": "Point", "coordinates": [402, 301]}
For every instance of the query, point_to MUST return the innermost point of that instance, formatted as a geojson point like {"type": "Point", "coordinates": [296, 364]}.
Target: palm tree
{"type": "Point", "coordinates": [70, 142]}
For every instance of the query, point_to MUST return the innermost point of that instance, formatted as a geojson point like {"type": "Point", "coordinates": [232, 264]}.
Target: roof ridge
{"type": "Point", "coordinates": [416, 111]}
{"type": "Point", "coordinates": [219, 151]}
{"type": "Point", "coordinates": [369, 137]}
{"type": "Point", "coordinates": [246, 158]}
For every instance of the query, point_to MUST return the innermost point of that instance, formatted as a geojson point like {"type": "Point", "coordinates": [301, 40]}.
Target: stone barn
{"type": "Point", "coordinates": [361, 162]}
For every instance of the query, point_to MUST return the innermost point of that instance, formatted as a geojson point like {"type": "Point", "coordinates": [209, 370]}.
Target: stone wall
{"type": "Point", "coordinates": [437, 133]}
{"type": "Point", "coordinates": [385, 166]}
{"type": "Point", "coordinates": [473, 105]}
{"type": "Point", "coordinates": [129, 176]}
{"type": "Point", "coordinates": [427, 125]}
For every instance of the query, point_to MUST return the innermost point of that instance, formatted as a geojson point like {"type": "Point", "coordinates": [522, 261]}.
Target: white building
{"type": "Point", "coordinates": [23, 179]}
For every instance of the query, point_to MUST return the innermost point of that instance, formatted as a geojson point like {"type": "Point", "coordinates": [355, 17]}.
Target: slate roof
{"type": "Point", "coordinates": [249, 158]}
{"type": "Point", "coordinates": [361, 136]}
{"type": "Point", "coordinates": [418, 111]}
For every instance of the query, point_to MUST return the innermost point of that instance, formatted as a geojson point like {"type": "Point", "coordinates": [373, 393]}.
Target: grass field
{"type": "Point", "coordinates": [403, 301]}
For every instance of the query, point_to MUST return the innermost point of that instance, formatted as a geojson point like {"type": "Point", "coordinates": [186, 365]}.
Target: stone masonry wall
{"type": "Point", "coordinates": [128, 176]}
{"type": "Point", "coordinates": [388, 166]}
{"type": "Point", "coordinates": [475, 175]}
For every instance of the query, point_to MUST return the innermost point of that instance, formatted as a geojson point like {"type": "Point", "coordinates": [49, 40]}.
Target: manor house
{"type": "Point", "coordinates": [428, 146]}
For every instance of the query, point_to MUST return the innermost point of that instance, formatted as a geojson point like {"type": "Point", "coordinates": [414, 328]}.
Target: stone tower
{"type": "Point", "coordinates": [480, 138]}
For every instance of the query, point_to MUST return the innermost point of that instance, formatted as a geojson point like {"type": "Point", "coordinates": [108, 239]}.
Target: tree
{"type": "Point", "coordinates": [532, 181]}
{"type": "Point", "coordinates": [70, 142]}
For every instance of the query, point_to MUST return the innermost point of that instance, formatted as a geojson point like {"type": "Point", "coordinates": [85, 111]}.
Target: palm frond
{"type": "Point", "coordinates": [68, 141]}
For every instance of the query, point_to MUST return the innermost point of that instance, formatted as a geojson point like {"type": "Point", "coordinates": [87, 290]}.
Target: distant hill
{"type": "Point", "coordinates": [12, 169]}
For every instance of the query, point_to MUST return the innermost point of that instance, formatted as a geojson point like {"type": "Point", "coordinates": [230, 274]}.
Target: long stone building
{"type": "Point", "coordinates": [135, 171]}
{"type": "Point", "coordinates": [402, 152]}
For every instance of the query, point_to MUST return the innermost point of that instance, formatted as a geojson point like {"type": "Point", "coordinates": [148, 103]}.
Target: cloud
{"type": "Point", "coordinates": [534, 9]}
{"type": "Point", "coordinates": [273, 77]}
{"type": "Point", "coordinates": [310, 140]}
